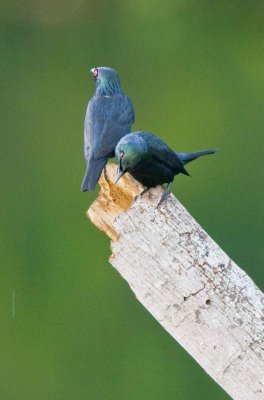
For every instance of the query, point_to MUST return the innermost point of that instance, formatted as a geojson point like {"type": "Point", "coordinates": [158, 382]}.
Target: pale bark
{"type": "Point", "coordinates": [187, 282]}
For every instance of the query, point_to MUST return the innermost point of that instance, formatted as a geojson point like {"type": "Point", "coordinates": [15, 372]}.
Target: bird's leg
{"type": "Point", "coordinates": [165, 194]}
{"type": "Point", "coordinates": [142, 193]}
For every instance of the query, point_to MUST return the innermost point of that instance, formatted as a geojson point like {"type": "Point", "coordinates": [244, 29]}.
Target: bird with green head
{"type": "Point", "coordinates": [129, 153]}
{"type": "Point", "coordinates": [107, 81]}
{"type": "Point", "coordinates": [150, 161]}
{"type": "Point", "coordinates": [108, 118]}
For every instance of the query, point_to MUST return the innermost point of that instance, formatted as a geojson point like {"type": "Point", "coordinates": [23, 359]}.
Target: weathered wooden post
{"type": "Point", "coordinates": [187, 282]}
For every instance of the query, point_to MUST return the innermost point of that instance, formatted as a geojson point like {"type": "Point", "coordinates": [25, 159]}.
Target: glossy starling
{"type": "Point", "coordinates": [150, 161]}
{"type": "Point", "coordinates": [109, 117]}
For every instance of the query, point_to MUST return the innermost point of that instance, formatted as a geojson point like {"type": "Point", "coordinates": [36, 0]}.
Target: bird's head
{"type": "Point", "coordinates": [129, 152]}
{"type": "Point", "coordinates": [106, 80]}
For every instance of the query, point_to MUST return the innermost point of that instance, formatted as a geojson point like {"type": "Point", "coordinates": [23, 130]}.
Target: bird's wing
{"type": "Point", "coordinates": [163, 154]}
{"type": "Point", "coordinates": [107, 120]}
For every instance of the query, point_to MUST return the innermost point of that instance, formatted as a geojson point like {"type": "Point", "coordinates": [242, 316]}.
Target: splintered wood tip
{"type": "Point", "coordinates": [113, 199]}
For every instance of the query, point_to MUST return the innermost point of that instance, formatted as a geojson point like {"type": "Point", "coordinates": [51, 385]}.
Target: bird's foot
{"type": "Point", "coordinates": [165, 195]}
{"type": "Point", "coordinates": [141, 194]}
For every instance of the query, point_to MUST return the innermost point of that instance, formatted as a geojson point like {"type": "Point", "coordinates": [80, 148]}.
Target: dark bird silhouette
{"type": "Point", "coordinates": [109, 117]}
{"type": "Point", "coordinates": [150, 161]}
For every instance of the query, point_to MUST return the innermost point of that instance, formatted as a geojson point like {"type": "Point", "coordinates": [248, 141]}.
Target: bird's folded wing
{"type": "Point", "coordinates": [161, 152]}
{"type": "Point", "coordinates": [110, 118]}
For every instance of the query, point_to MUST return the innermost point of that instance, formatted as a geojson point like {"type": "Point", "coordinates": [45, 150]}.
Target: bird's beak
{"type": "Point", "coordinates": [119, 173]}
{"type": "Point", "coordinates": [92, 70]}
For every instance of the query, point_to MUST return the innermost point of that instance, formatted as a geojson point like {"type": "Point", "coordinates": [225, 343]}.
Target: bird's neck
{"type": "Point", "coordinates": [108, 88]}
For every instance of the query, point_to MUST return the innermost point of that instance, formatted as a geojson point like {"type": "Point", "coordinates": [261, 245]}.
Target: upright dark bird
{"type": "Point", "coordinates": [109, 117]}
{"type": "Point", "coordinates": [150, 161]}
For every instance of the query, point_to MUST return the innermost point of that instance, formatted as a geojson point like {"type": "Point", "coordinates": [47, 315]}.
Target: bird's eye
{"type": "Point", "coordinates": [95, 72]}
{"type": "Point", "coordinates": [121, 155]}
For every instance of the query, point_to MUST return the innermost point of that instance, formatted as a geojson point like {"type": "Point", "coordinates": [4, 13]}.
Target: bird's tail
{"type": "Point", "coordinates": [92, 174]}
{"type": "Point", "coordinates": [188, 157]}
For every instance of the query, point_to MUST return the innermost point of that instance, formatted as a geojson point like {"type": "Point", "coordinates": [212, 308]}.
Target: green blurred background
{"type": "Point", "coordinates": [195, 73]}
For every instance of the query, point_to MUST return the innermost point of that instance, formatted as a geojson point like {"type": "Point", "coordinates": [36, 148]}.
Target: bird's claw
{"type": "Point", "coordinates": [165, 195]}
{"type": "Point", "coordinates": [140, 195]}
{"type": "Point", "coordinates": [136, 198]}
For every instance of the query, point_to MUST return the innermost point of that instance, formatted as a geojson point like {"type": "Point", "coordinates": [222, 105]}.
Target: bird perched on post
{"type": "Point", "coordinates": [109, 117]}
{"type": "Point", "coordinates": [150, 161]}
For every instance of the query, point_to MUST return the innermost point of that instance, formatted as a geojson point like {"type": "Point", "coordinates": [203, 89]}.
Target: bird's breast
{"type": "Point", "coordinates": [151, 174]}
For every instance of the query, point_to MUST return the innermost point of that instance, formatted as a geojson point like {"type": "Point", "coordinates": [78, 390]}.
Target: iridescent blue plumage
{"type": "Point", "coordinates": [150, 161]}
{"type": "Point", "coordinates": [109, 117]}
